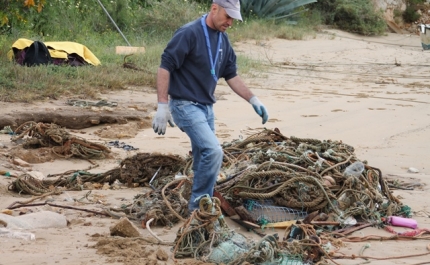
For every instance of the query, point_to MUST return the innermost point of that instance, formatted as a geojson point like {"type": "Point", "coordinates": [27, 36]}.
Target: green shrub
{"type": "Point", "coordinates": [415, 2]}
{"type": "Point", "coordinates": [169, 15]}
{"type": "Point", "coordinates": [326, 9]}
{"type": "Point", "coordinates": [410, 14]}
{"type": "Point", "coordinates": [357, 16]}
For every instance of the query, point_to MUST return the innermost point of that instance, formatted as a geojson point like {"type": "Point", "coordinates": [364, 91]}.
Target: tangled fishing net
{"type": "Point", "coordinates": [61, 142]}
{"type": "Point", "coordinates": [273, 177]}
{"type": "Point", "coordinates": [306, 175]}
{"type": "Point", "coordinates": [166, 206]}
{"type": "Point", "coordinates": [300, 174]}
{"type": "Point", "coordinates": [206, 236]}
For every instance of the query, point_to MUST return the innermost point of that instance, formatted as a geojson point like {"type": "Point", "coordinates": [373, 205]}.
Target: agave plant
{"type": "Point", "coordinates": [272, 9]}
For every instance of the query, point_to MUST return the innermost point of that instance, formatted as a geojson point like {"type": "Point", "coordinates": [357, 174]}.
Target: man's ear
{"type": "Point", "coordinates": [214, 8]}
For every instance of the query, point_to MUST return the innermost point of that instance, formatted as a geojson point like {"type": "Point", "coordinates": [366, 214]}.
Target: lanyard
{"type": "Point", "coordinates": [208, 44]}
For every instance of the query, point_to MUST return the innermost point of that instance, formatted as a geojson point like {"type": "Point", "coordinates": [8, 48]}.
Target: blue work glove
{"type": "Point", "coordinates": [159, 123]}
{"type": "Point", "coordinates": [259, 108]}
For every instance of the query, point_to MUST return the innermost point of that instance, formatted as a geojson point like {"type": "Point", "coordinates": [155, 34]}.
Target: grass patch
{"type": "Point", "coordinates": [26, 84]}
{"type": "Point", "coordinates": [258, 29]}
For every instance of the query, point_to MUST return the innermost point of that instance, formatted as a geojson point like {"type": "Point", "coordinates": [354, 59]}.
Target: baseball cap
{"type": "Point", "coordinates": [232, 7]}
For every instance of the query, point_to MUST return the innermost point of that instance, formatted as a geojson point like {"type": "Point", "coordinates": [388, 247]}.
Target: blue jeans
{"type": "Point", "coordinates": [197, 121]}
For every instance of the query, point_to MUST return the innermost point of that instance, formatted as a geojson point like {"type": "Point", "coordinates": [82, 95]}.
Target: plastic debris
{"type": "Point", "coordinates": [413, 170]}
{"type": "Point", "coordinates": [4, 232]}
{"type": "Point", "coordinates": [355, 169]}
{"type": "Point", "coordinates": [122, 145]}
{"type": "Point", "coordinates": [401, 221]}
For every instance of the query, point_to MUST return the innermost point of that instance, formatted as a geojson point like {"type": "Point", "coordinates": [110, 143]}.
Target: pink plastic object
{"type": "Point", "coordinates": [403, 222]}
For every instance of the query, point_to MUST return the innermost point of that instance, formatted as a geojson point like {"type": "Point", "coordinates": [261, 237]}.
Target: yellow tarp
{"type": "Point", "coordinates": [59, 49]}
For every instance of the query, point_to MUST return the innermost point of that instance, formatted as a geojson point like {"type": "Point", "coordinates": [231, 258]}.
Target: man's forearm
{"type": "Point", "coordinates": [163, 77]}
{"type": "Point", "coordinates": [239, 87]}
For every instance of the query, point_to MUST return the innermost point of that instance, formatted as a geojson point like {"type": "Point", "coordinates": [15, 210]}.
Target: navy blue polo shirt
{"type": "Point", "coordinates": [186, 58]}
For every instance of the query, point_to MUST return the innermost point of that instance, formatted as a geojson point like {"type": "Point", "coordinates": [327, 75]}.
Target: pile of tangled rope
{"type": "Point", "coordinates": [304, 174]}
{"type": "Point", "coordinates": [307, 175]}
{"type": "Point", "coordinates": [206, 236]}
{"type": "Point", "coordinates": [61, 142]}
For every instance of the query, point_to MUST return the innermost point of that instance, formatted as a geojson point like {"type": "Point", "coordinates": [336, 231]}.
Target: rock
{"type": "Point", "coordinates": [88, 186]}
{"type": "Point", "coordinates": [124, 228]}
{"type": "Point", "coordinates": [106, 108]}
{"type": "Point", "coordinates": [7, 211]}
{"type": "Point", "coordinates": [161, 255]}
{"type": "Point", "coordinates": [95, 121]}
{"type": "Point", "coordinates": [20, 162]}
{"type": "Point", "coordinates": [42, 219]}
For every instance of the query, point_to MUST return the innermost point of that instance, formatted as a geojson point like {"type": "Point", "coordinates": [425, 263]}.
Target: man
{"type": "Point", "coordinates": [198, 54]}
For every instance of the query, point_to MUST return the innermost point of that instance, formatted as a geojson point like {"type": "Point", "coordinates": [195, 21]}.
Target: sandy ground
{"type": "Point", "coordinates": [370, 92]}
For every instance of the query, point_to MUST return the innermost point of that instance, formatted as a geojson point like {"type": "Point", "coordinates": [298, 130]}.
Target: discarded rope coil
{"type": "Point", "coordinates": [62, 143]}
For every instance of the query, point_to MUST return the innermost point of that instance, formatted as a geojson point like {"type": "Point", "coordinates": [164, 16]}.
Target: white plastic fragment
{"type": "Point", "coordinates": [4, 232]}
{"type": "Point", "coordinates": [36, 174]}
{"type": "Point", "coordinates": [355, 169]}
{"type": "Point", "coordinates": [413, 170]}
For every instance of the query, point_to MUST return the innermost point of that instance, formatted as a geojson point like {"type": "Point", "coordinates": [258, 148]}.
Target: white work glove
{"type": "Point", "coordinates": [159, 123]}
{"type": "Point", "coordinates": [259, 108]}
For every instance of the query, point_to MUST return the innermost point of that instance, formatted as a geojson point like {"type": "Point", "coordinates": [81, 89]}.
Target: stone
{"type": "Point", "coordinates": [124, 228]}
{"type": "Point", "coordinates": [20, 162]}
{"type": "Point", "coordinates": [36, 220]}
{"type": "Point", "coordinates": [95, 121]}
{"type": "Point", "coordinates": [88, 186]}
{"type": "Point", "coordinates": [161, 255]}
